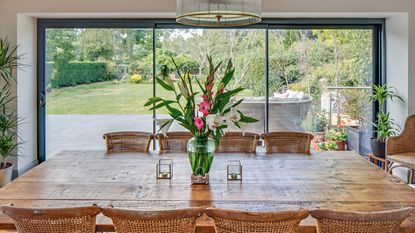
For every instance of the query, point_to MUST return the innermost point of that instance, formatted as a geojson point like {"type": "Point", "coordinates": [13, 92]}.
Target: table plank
{"type": "Point", "coordinates": [335, 180]}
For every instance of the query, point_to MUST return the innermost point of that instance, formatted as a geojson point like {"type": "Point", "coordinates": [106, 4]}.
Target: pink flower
{"type": "Point", "coordinates": [204, 108]}
{"type": "Point", "coordinates": [199, 123]}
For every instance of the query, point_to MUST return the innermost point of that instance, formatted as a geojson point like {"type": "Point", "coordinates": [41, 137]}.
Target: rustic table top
{"type": "Point", "coordinates": [336, 180]}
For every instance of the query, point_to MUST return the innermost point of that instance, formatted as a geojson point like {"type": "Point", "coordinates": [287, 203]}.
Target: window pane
{"type": "Point", "coordinates": [97, 81]}
{"type": "Point", "coordinates": [190, 47]}
{"type": "Point", "coordinates": [319, 78]}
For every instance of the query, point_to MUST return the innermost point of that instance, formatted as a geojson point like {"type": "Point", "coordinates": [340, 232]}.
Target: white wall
{"type": "Point", "coordinates": [17, 22]}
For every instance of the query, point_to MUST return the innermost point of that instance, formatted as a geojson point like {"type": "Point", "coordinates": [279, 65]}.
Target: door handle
{"type": "Point", "coordinates": [41, 99]}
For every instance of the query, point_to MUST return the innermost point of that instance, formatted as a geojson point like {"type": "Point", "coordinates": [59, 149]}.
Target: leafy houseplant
{"type": "Point", "coordinates": [385, 126]}
{"type": "Point", "coordinates": [8, 117]}
{"type": "Point", "coordinates": [205, 108]}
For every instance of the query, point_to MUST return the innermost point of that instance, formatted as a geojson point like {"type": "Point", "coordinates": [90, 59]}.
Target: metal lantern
{"type": "Point", "coordinates": [218, 13]}
{"type": "Point", "coordinates": [164, 169]}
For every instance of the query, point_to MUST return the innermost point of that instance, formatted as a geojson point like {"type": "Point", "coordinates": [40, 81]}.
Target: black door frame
{"type": "Point", "coordinates": [376, 24]}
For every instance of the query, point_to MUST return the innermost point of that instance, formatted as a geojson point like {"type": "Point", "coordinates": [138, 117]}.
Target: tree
{"type": "Point", "coordinates": [96, 45]}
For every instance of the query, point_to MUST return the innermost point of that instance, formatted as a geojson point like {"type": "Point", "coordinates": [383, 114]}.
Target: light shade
{"type": "Point", "coordinates": [218, 13]}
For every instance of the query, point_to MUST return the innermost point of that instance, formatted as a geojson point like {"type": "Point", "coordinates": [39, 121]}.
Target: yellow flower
{"type": "Point", "coordinates": [136, 78]}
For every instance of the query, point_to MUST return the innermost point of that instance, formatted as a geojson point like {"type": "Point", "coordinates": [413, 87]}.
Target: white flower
{"type": "Point", "coordinates": [198, 100]}
{"type": "Point", "coordinates": [214, 121]}
{"type": "Point", "coordinates": [233, 116]}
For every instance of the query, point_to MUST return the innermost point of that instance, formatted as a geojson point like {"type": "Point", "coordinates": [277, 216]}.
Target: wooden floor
{"type": "Point", "coordinates": [336, 180]}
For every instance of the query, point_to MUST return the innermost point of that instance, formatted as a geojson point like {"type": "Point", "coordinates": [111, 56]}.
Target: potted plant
{"type": "Point", "coordinates": [8, 117]}
{"type": "Point", "coordinates": [205, 108]}
{"type": "Point", "coordinates": [339, 137]}
{"type": "Point", "coordinates": [384, 125]}
{"type": "Point", "coordinates": [358, 127]}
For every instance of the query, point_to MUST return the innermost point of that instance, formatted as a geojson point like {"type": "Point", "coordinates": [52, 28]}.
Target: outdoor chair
{"type": "Point", "coordinates": [62, 220]}
{"type": "Point", "coordinates": [173, 141]}
{"type": "Point", "coordinates": [329, 221]}
{"type": "Point", "coordinates": [172, 221]}
{"type": "Point", "coordinates": [400, 150]}
{"type": "Point", "coordinates": [287, 142]}
{"type": "Point", "coordinates": [238, 142]}
{"type": "Point", "coordinates": [231, 221]}
{"type": "Point", "coordinates": [128, 141]}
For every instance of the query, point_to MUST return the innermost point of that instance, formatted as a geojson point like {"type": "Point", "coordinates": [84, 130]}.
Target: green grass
{"type": "Point", "coordinates": [105, 98]}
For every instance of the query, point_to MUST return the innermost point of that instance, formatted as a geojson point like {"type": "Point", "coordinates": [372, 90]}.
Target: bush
{"type": "Point", "coordinates": [76, 73]}
{"type": "Point", "coordinates": [136, 78]}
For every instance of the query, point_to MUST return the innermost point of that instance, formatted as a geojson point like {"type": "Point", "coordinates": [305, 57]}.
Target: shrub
{"type": "Point", "coordinates": [136, 78]}
{"type": "Point", "coordinates": [76, 73]}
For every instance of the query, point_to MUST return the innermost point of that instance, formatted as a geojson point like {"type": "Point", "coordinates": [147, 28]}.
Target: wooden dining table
{"type": "Point", "coordinates": [334, 180]}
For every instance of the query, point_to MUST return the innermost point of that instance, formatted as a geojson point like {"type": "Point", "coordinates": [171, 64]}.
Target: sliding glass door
{"type": "Point", "coordinates": [190, 48]}
{"type": "Point", "coordinates": [96, 75]}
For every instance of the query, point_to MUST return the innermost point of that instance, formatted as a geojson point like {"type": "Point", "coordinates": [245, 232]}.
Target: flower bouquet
{"type": "Point", "coordinates": [205, 108]}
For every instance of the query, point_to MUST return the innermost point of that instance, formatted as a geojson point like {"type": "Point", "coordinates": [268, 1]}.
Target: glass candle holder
{"type": "Point", "coordinates": [164, 169]}
{"type": "Point", "coordinates": [234, 170]}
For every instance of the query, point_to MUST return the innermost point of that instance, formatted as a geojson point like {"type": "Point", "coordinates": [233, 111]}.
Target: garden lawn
{"type": "Point", "coordinates": [105, 98]}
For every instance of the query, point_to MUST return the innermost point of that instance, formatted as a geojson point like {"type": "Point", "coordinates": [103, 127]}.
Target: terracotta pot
{"type": "Point", "coordinates": [341, 145]}
{"type": "Point", "coordinates": [6, 174]}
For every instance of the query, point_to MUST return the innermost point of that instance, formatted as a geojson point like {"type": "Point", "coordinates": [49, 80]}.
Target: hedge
{"type": "Point", "coordinates": [76, 73]}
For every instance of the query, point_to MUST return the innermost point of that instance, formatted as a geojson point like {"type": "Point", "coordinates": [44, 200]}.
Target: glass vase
{"type": "Point", "coordinates": [201, 151]}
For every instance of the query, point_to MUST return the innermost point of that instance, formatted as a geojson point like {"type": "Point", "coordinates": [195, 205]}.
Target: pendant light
{"type": "Point", "coordinates": [218, 13]}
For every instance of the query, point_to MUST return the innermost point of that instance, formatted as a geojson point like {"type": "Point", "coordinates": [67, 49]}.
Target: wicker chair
{"type": "Point", "coordinates": [231, 221]}
{"type": "Point", "coordinates": [128, 142]}
{"type": "Point", "coordinates": [400, 150]}
{"type": "Point", "coordinates": [64, 220]}
{"type": "Point", "coordinates": [237, 142]}
{"type": "Point", "coordinates": [287, 142]}
{"type": "Point", "coordinates": [172, 221]}
{"type": "Point", "coordinates": [173, 141]}
{"type": "Point", "coordinates": [329, 221]}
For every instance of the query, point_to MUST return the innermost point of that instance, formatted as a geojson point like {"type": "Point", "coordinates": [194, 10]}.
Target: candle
{"type": "Point", "coordinates": [164, 174]}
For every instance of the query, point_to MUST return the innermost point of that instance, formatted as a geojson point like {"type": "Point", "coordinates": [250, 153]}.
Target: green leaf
{"type": "Point", "coordinates": [162, 104]}
{"type": "Point", "coordinates": [152, 101]}
{"type": "Point", "coordinates": [247, 119]}
{"type": "Point", "coordinates": [200, 85]}
{"type": "Point", "coordinates": [230, 93]}
{"type": "Point", "coordinates": [174, 112]}
{"type": "Point", "coordinates": [228, 77]}
{"type": "Point", "coordinates": [165, 85]}
{"type": "Point", "coordinates": [233, 106]}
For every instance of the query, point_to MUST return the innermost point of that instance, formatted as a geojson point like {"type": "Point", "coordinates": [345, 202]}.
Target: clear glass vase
{"type": "Point", "coordinates": [201, 152]}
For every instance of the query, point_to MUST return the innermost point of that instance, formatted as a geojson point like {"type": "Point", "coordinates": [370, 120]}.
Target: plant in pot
{"type": "Point", "coordinates": [8, 117]}
{"type": "Point", "coordinates": [384, 124]}
{"type": "Point", "coordinates": [358, 129]}
{"type": "Point", "coordinates": [205, 108]}
{"type": "Point", "coordinates": [339, 137]}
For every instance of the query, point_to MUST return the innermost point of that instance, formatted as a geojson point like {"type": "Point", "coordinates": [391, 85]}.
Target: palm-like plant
{"type": "Point", "coordinates": [9, 61]}
{"type": "Point", "coordinates": [385, 125]}
{"type": "Point", "coordinates": [381, 93]}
